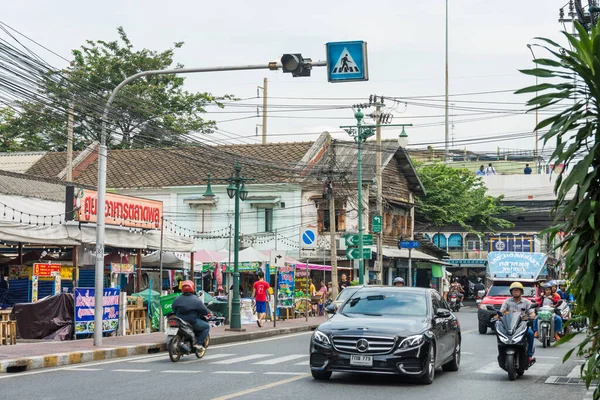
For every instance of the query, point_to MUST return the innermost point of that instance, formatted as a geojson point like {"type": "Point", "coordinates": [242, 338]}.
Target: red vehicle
{"type": "Point", "coordinates": [495, 296]}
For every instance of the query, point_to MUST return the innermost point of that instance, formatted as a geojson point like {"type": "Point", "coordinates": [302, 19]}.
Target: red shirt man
{"type": "Point", "coordinates": [259, 293]}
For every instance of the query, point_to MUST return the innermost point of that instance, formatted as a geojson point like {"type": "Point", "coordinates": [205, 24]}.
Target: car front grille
{"type": "Point", "coordinates": [376, 344]}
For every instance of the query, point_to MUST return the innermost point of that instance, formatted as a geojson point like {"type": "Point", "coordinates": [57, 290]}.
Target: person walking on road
{"type": "Point", "coordinates": [490, 170]}
{"type": "Point", "coordinates": [260, 293]}
{"type": "Point", "coordinates": [480, 171]}
{"type": "Point", "coordinates": [527, 170]}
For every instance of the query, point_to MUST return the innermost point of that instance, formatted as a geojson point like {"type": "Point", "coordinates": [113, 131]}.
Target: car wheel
{"type": "Point", "coordinates": [482, 328]}
{"type": "Point", "coordinates": [454, 364]}
{"type": "Point", "coordinates": [427, 378]}
{"type": "Point", "coordinates": [321, 375]}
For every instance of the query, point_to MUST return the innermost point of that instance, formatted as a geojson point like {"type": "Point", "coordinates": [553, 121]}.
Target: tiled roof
{"type": "Point", "coordinates": [15, 184]}
{"type": "Point", "coordinates": [19, 162]}
{"type": "Point", "coordinates": [185, 166]}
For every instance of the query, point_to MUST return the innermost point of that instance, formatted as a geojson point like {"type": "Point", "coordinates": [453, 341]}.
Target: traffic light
{"type": "Point", "coordinates": [296, 65]}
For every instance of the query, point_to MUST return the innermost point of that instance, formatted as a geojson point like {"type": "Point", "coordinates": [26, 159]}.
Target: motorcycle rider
{"type": "Point", "coordinates": [554, 286]}
{"type": "Point", "coordinates": [457, 287]}
{"type": "Point", "coordinates": [479, 285]}
{"type": "Point", "coordinates": [549, 299]}
{"type": "Point", "coordinates": [190, 308]}
{"type": "Point", "coordinates": [398, 281]}
{"type": "Point", "coordinates": [562, 291]}
{"type": "Point", "coordinates": [516, 304]}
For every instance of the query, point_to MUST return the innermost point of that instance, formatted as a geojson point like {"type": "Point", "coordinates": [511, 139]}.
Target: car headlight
{"type": "Point", "coordinates": [411, 341]}
{"type": "Point", "coordinates": [321, 338]}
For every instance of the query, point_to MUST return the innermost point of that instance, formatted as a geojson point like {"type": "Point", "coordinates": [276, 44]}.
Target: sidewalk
{"type": "Point", "coordinates": [44, 354]}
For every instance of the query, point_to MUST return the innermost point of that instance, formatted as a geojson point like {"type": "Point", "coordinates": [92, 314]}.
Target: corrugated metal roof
{"type": "Point", "coordinates": [19, 162]}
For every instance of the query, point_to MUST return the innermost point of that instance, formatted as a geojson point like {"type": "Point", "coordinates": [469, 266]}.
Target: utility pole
{"type": "Point", "coordinates": [379, 180]}
{"type": "Point", "coordinates": [332, 221]}
{"type": "Point", "coordinates": [447, 149]}
{"type": "Point", "coordinates": [536, 110]}
{"type": "Point", "coordinates": [264, 111]}
{"type": "Point", "coordinates": [70, 143]}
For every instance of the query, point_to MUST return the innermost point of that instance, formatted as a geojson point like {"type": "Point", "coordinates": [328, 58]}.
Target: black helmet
{"type": "Point", "coordinates": [455, 279]}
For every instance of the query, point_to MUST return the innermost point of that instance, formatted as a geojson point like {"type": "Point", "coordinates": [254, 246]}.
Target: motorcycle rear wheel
{"type": "Point", "coordinates": [174, 353]}
{"type": "Point", "coordinates": [511, 367]}
{"type": "Point", "coordinates": [545, 337]}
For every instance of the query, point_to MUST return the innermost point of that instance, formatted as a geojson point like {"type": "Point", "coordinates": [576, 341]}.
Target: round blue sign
{"type": "Point", "coordinates": [308, 237]}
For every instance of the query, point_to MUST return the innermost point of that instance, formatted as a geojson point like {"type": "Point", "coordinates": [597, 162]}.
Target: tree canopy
{"type": "Point", "coordinates": [458, 197]}
{"type": "Point", "coordinates": [150, 111]}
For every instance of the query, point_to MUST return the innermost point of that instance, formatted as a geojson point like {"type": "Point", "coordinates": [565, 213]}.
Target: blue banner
{"type": "Point", "coordinates": [84, 310]}
{"type": "Point", "coordinates": [513, 243]}
{"type": "Point", "coordinates": [286, 286]}
{"type": "Point", "coordinates": [514, 265]}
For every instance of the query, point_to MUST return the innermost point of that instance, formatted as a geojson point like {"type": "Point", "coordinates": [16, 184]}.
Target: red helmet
{"type": "Point", "coordinates": [187, 287]}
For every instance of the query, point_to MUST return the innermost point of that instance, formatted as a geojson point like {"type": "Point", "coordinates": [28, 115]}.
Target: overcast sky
{"type": "Point", "coordinates": [405, 49]}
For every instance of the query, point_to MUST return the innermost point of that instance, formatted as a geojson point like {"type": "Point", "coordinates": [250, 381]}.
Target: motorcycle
{"type": "Point", "coordinates": [578, 322]}
{"type": "Point", "coordinates": [546, 325]}
{"type": "Point", "coordinates": [454, 301]}
{"type": "Point", "coordinates": [181, 338]}
{"type": "Point", "coordinates": [480, 296]}
{"type": "Point", "coordinates": [564, 312]}
{"type": "Point", "coordinates": [511, 334]}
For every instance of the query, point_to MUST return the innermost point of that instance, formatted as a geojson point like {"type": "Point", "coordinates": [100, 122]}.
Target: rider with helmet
{"type": "Point", "coordinates": [190, 308]}
{"type": "Point", "coordinates": [518, 304]}
{"type": "Point", "coordinates": [554, 286]}
{"type": "Point", "coordinates": [398, 281]}
{"type": "Point", "coordinates": [562, 291]}
{"type": "Point", "coordinates": [457, 287]}
{"type": "Point", "coordinates": [549, 299]}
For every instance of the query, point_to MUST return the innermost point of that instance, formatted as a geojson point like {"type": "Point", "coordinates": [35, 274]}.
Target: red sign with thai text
{"type": "Point", "coordinates": [46, 270]}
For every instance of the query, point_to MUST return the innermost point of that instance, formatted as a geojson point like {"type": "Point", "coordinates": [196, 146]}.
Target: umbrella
{"type": "Point", "coordinates": [207, 256]}
{"type": "Point", "coordinates": [249, 255]}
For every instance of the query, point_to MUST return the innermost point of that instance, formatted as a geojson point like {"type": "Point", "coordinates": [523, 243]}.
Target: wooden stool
{"type": "Point", "coordinates": [12, 331]}
{"type": "Point", "coordinates": [3, 332]}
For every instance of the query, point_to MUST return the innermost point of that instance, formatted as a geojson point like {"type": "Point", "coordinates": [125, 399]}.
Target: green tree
{"type": "Point", "coordinates": [458, 197]}
{"type": "Point", "coordinates": [149, 112]}
{"type": "Point", "coordinates": [576, 132]}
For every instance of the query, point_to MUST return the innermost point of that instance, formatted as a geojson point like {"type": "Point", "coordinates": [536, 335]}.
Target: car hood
{"type": "Point", "coordinates": [365, 325]}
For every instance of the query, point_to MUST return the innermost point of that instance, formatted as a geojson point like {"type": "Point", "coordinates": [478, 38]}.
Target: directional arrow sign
{"type": "Point", "coordinates": [352, 240]}
{"type": "Point", "coordinates": [376, 223]}
{"type": "Point", "coordinates": [353, 254]}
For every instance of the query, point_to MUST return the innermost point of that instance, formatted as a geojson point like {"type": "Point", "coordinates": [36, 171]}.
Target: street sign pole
{"type": "Point", "coordinates": [410, 268]}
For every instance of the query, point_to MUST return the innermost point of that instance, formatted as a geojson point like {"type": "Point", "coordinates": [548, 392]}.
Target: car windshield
{"type": "Point", "coordinates": [345, 294]}
{"type": "Point", "coordinates": [503, 289]}
{"type": "Point", "coordinates": [394, 303]}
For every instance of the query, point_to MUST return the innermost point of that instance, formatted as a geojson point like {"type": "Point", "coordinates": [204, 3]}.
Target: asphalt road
{"type": "Point", "coordinates": [277, 368]}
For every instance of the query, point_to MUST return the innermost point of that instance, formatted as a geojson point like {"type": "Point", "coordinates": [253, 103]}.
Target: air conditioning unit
{"type": "Point", "coordinates": [340, 244]}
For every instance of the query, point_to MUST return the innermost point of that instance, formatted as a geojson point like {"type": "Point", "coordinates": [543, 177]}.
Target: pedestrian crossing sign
{"type": "Point", "coordinates": [347, 61]}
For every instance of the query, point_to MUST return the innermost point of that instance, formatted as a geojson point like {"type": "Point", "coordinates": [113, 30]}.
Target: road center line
{"type": "Point", "coordinates": [284, 373]}
{"type": "Point", "coordinates": [261, 388]}
{"type": "Point", "coordinates": [180, 372]}
{"type": "Point", "coordinates": [234, 372]}
{"type": "Point", "coordinates": [131, 370]}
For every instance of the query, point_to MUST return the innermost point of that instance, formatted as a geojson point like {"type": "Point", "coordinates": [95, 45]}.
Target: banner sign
{"type": "Point", "coordinates": [82, 205]}
{"type": "Point", "coordinates": [46, 270]}
{"type": "Point", "coordinates": [511, 265]}
{"type": "Point", "coordinates": [302, 280]}
{"type": "Point", "coordinates": [512, 243]}
{"type": "Point", "coordinates": [116, 268]}
{"type": "Point", "coordinates": [285, 286]}
{"type": "Point", "coordinates": [84, 310]}
{"type": "Point", "coordinates": [34, 289]}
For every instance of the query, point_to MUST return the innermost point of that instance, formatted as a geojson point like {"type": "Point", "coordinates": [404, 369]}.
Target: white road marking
{"type": "Point", "coordinates": [302, 363]}
{"type": "Point", "coordinates": [575, 373]}
{"type": "Point", "coordinates": [131, 370]}
{"type": "Point", "coordinates": [464, 353]}
{"type": "Point", "coordinates": [215, 356]}
{"type": "Point", "coordinates": [284, 373]}
{"type": "Point", "coordinates": [84, 369]}
{"type": "Point", "coordinates": [547, 357]}
{"type": "Point", "coordinates": [537, 369]}
{"type": "Point", "coordinates": [180, 372]}
{"type": "Point", "coordinates": [281, 359]}
{"type": "Point", "coordinates": [129, 359]}
{"type": "Point", "coordinates": [234, 372]}
{"type": "Point", "coordinates": [243, 358]}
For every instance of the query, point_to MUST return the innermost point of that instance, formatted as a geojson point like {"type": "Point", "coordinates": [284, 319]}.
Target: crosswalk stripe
{"type": "Point", "coordinates": [84, 369]}
{"type": "Point", "coordinates": [234, 372]}
{"type": "Point", "coordinates": [241, 359]}
{"type": "Point", "coordinates": [131, 370]}
{"type": "Point", "coordinates": [284, 373]}
{"type": "Point", "coordinates": [575, 373]}
{"type": "Point", "coordinates": [281, 359]}
{"type": "Point", "coordinates": [216, 356]}
{"type": "Point", "coordinates": [537, 369]}
{"type": "Point", "coordinates": [302, 363]}
{"type": "Point", "coordinates": [180, 372]}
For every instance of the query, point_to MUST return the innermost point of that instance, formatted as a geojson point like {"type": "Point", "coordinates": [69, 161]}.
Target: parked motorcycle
{"type": "Point", "coordinates": [453, 301]}
{"type": "Point", "coordinates": [511, 333]}
{"type": "Point", "coordinates": [181, 338]}
{"type": "Point", "coordinates": [564, 311]}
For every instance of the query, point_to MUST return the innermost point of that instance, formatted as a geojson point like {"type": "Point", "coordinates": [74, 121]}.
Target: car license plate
{"type": "Point", "coordinates": [361, 361]}
{"type": "Point", "coordinates": [172, 331]}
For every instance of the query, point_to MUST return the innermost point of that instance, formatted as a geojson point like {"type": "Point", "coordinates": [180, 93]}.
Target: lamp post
{"type": "Point", "coordinates": [360, 133]}
{"type": "Point", "coordinates": [237, 189]}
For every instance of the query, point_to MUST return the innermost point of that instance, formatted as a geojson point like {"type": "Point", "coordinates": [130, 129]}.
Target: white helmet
{"type": "Point", "coordinates": [398, 280]}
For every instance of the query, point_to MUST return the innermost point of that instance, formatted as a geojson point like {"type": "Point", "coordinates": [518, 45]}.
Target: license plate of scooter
{"type": "Point", "coordinates": [172, 331]}
{"type": "Point", "coordinates": [453, 300]}
{"type": "Point", "coordinates": [361, 361]}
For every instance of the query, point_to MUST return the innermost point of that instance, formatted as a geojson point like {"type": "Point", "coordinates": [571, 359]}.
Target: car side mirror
{"type": "Point", "coordinates": [443, 313]}
{"type": "Point", "coordinates": [331, 309]}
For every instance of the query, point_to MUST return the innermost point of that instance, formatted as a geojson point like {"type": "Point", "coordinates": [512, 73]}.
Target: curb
{"type": "Point", "coordinates": [80, 357]}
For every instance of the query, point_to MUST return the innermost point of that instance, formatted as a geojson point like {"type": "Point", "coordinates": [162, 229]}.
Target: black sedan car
{"type": "Point", "coordinates": [388, 330]}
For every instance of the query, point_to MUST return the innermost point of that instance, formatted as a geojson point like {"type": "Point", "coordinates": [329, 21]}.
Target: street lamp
{"type": "Point", "coordinates": [403, 139]}
{"type": "Point", "coordinates": [237, 189]}
{"type": "Point", "coordinates": [360, 133]}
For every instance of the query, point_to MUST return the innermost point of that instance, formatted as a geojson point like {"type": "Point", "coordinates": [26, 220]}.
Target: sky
{"type": "Point", "coordinates": [406, 56]}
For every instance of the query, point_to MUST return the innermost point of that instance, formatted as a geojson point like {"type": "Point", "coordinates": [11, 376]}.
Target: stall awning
{"type": "Point", "coordinates": [393, 252]}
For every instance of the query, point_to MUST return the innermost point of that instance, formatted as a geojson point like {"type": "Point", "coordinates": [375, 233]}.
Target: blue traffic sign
{"type": "Point", "coordinates": [347, 61]}
{"type": "Point", "coordinates": [308, 237]}
{"type": "Point", "coordinates": [409, 244]}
